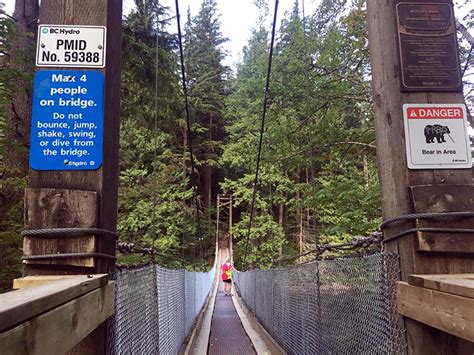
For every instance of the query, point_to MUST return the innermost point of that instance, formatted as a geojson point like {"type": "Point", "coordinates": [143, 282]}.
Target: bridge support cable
{"type": "Point", "coordinates": [188, 127]}
{"type": "Point", "coordinates": [155, 129]}
{"type": "Point", "coordinates": [262, 129]}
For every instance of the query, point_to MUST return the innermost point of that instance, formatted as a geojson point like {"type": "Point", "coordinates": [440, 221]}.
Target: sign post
{"type": "Point", "coordinates": [73, 177]}
{"type": "Point", "coordinates": [417, 95]}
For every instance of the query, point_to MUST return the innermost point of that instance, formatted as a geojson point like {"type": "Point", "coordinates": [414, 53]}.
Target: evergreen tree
{"type": "Point", "coordinates": [206, 77]}
{"type": "Point", "coordinates": [154, 193]}
{"type": "Point", "coordinates": [318, 181]}
{"type": "Point", "coordinates": [17, 49]}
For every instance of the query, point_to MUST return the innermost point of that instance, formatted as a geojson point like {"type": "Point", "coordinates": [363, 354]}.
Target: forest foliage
{"type": "Point", "coordinates": [318, 180]}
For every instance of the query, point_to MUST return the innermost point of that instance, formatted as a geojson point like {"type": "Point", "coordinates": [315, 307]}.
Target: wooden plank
{"type": "Point", "coordinates": [60, 329]}
{"type": "Point", "coordinates": [445, 242]}
{"type": "Point", "coordinates": [457, 284]}
{"type": "Point", "coordinates": [60, 208]}
{"type": "Point", "coordinates": [444, 198]}
{"type": "Point", "coordinates": [21, 305]}
{"type": "Point", "coordinates": [450, 313]}
{"type": "Point", "coordinates": [31, 281]}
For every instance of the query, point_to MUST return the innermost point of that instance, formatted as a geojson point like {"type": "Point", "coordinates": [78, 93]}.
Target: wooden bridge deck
{"type": "Point", "coordinates": [227, 333]}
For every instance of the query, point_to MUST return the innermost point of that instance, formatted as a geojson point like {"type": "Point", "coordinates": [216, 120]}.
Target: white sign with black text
{"type": "Point", "coordinates": [71, 46]}
{"type": "Point", "coordinates": [436, 136]}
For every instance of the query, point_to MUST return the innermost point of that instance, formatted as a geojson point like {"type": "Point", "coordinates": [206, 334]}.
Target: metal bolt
{"type": "Point", "coordinates": [42, 45]}
{"type": "Point", "coordinates": [100, 47]}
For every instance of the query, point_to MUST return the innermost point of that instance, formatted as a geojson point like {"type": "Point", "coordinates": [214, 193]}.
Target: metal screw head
{"type": "Point", "coordinates": [100, 47]}
{"type": "Point", "coordinates": [42, 45]}
{"type": "Point", "coordinates": [66, 162]}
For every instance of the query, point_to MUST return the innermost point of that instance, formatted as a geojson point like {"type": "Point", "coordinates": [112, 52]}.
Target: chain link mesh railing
{"type": "Point", "coordinates": [155, 309]}
{"type": "Point", "coordinates": [339, 306]}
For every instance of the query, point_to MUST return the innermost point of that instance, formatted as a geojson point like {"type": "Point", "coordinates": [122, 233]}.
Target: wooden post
{"type": "Point", "coordinates": [80, 198]}
{"type": "Point", "coordinates": [401, 187]}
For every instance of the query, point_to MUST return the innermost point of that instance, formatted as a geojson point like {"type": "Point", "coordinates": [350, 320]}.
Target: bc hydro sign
{"type": "Point", "coordinates": [436, 136]}
{"type": "Point", "coordinates": [67, 120]}
{"type": "Point", "coordinates": [71, 46]}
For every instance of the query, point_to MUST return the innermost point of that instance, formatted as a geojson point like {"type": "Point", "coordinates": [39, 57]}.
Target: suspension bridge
{"type": "Point", "coordinates": [149, 309]}
{"type": "Point", "coordinates": [407, 288]}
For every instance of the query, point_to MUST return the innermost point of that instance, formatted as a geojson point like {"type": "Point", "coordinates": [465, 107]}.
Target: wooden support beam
{"type": "Point", "coordinates": [444, 198]}
{"type": "Point", "coordinates": [396, 179]}
{"type": "Point", "coordinates": [60, 208]}
{"type": "Point", "coordinates": [450, 313]}
{"type": "Point", "coordinates": [80, 198]}
{"type": "Point", "coordinates": [61, 329]}
{"type": "Point", "coordinates": [18, 306]}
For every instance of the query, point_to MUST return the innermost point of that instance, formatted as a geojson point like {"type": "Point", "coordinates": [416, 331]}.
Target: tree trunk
{"type": "Point", "coordinates": [185, 149]}
{"type": "Point", "coordinates": [207, 174]}
{"type": "Point", "coordinates": [14, 164]}
{"type": "Point", "coordinates": [299, 222]}
{"type": "Point", "coordinates": [21, 59]}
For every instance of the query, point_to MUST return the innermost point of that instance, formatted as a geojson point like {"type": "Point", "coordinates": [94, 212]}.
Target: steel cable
{"type": "Point", "coordinates": [262, 129]}
{"type": "Point", "coordinates": [188, 127]}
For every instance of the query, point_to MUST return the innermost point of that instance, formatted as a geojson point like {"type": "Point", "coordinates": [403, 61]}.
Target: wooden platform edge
{"type": "Point", "coordinates": [32, 281]}
{"type": "Point", "coordinates": [60, 329]}
{"type": "Point", "coordinates": [457, 284]}
{"type": "Point", "coordinates": [18, 306]}
{"type": "Point", "coordinates": [450, 313]}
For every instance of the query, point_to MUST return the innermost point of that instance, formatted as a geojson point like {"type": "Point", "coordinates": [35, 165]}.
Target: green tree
{"type": "Point", "coordinates": [206, 77]}
{"type": "Point", "coordinates": [154, 194]}
{"type": "Point", "coordinates": [17, 48]}
{"type": "Point", "coordinates": [318, 181]}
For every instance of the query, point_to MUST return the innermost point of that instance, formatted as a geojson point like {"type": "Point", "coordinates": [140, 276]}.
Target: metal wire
{"type": "Point", "coordinates": [262, 130]}
{"type": "Point", "coordinates": [431, 215]}
{"type": "Point", "coordinates": [67, 232]}
{"type": "Point", "coordinates": [155, 309]}
{"type": "Point", "coordinates": [339, 306]}
{"type": "Point", "coordinates": [188, 127]}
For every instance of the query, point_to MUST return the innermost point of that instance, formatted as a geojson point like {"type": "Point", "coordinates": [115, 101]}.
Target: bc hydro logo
{"type": "Point", "coordinates": [60, 31]}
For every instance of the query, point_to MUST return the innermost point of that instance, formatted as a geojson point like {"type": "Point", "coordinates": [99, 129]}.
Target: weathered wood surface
{"type": "Point", "coordinates": [457, 284]}
{"type": "Point", "coordinates": [18, 306]}
{"type": "Point", "coordinates": [444, 198]}
{"type": "Point", "coordinates": [61, 328]}
{"type": "Point", "coordinates": [60, 208]}
{"type": "Point", "coordinates": [450, 313]}
{"type": "Point", "coordinates": [32, 281]}
{"type": "Point", "coordinates": [103, 181]}
{"type": "Point", "coordinates": [395, 178]}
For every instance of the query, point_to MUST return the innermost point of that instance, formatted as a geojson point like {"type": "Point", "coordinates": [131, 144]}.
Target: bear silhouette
{"type": "Point", "coordinates": [436, 131]}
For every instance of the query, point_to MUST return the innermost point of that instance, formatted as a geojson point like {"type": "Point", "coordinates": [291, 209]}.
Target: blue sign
{"type": "Point", "coordinates": [67, 121]}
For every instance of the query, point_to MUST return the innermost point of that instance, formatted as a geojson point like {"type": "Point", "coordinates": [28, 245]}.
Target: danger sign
{"type": "Point", "coordinates": [436, 136]}
{"type": "Point", "coordinates": [433, 112]}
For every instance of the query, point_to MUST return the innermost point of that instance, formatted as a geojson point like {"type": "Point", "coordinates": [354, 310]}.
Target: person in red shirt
{"type": "Point", "coordinates": [226, 274]}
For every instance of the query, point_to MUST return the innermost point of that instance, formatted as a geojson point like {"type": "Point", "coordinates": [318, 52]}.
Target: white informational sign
{"type": "Point", "coordinates": [71, 46]}
{"type": "Point", "coordinates": [436, 136]}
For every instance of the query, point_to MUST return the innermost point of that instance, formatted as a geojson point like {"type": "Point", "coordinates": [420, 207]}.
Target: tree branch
{"type": "Point", "coordinates": [366, 145]}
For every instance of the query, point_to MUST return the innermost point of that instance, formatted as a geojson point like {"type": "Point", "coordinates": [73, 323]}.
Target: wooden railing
{"type": "Point", "coordinates": [53, 314]}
